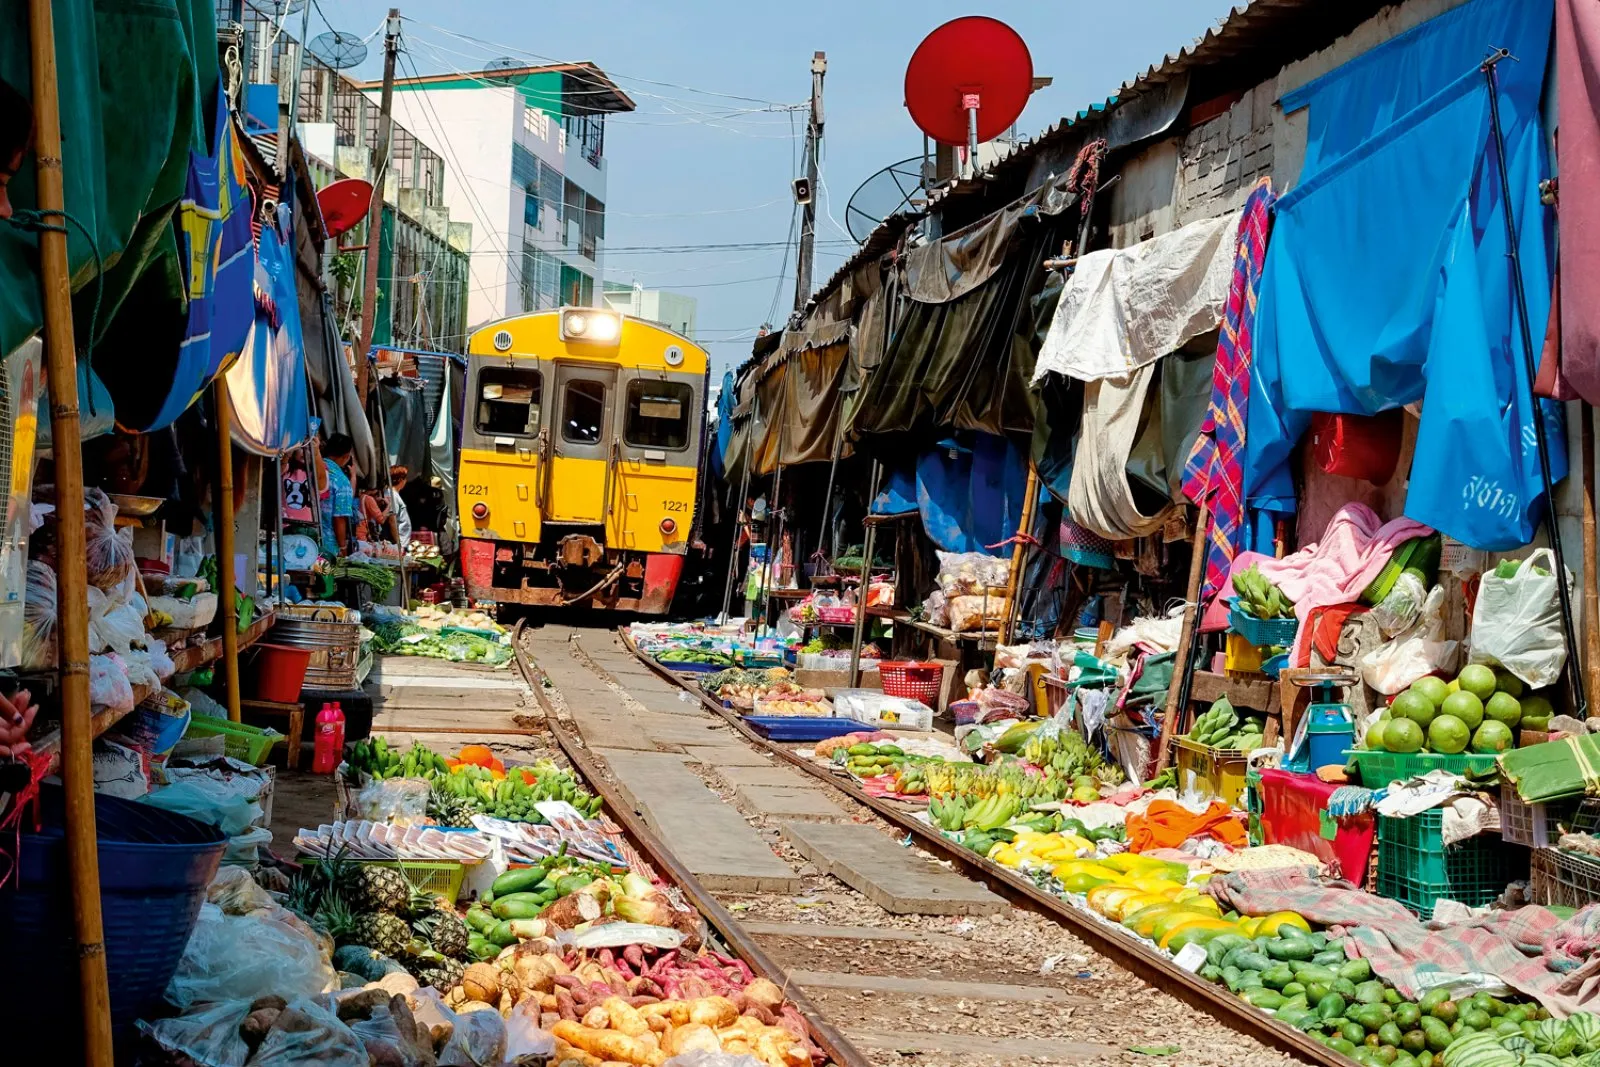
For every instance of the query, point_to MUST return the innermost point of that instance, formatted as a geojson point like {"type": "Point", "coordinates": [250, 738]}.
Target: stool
{"type": "Point", "coordinates": [294, 716]}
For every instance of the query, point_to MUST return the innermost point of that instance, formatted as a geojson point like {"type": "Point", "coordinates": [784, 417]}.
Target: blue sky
{"type": "Point", "coordinates": [691, 168]}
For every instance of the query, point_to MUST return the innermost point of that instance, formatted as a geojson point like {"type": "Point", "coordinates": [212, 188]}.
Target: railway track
{"type": "Point", "coordinates": [1005, 979]}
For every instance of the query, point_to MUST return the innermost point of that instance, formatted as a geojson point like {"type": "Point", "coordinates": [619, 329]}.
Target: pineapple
{"type": "Point", "coordinates": [373, 887]}
{"type": "Point", "coordinates": [439, 971]}
{"type": "Point", "coordinates": [383, 931]}
{"type": "Point", "coordinates": [445, 931]}
{"type": "Point", "coordinates": [337, 918]}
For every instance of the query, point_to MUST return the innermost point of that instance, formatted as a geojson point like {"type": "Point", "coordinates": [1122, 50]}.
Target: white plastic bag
{"type": "Point", "coordinates": [39, 617]}
{"type": "Point", "coordinates": [1420, 649]}
{"type": "Point", "coordinates": [108, 684]}
{"type": "Point", "coordinates": [971, 573]}
{"type": "Point", "coordinates": [1398, 610]}
{"type": "Point", "coordinates": [1516, 623]}
{"type": "Point", "coordinates": [242, 957]}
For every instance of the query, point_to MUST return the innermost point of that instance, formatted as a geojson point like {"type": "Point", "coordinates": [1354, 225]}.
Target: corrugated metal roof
{"type": "Point", "coordinates": [1267, 33]}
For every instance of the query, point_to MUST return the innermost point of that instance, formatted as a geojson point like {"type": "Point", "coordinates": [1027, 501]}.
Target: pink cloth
{"type": "Point", "coordinates": [1353, 550]}
{"type": "Point", "coordinates": [1577, 64]}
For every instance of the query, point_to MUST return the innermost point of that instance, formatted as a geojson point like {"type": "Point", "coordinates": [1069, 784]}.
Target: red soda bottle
{"type": "Point", "coordinates": [329, 748]}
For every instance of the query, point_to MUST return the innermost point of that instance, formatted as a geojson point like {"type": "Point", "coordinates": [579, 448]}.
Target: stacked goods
{"type": "Point", "coordinates": [563, 894]}
{"type": "Point", "coordinates": [1479, 710]}
{"type": "Point", "coordinates": [870, 759]}
{"type": "Point", "coordinates": [376, 575]}
{"type": "Point", "coordinates": [741, 688]}
{"type": "Point", "coordinates": [1260, 598]}
{"type": "Point", "coordinates": [1221, 727]}
{"type": "Point", "coordinates": [1028, 841]}
{"type": "Point", "coordinates": [474, 783]}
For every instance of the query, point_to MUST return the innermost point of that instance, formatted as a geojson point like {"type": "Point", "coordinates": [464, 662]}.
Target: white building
{"type": "Point", "coordinates": [526, 154]}
{"type": "Point", "coordinates": [673, 310]}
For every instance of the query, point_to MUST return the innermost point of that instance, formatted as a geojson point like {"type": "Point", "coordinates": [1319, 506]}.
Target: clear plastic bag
{"type": "Point", "coordinates": [39, 617]}
{"type": "Point", "coordinates": [478, 1038]}
{"type": "Point", "coordinates": [971, 573]}
{"type": "Point", "coordinates": [393, 798]}
{"type": "Point", "coordinates": [236, 893]}
{"type": "Point", "coordinates": [1421, 649]}
{"type": "Point", "coordinates": [108, 555]}
{"type": "Point", "coordinates": [191, 553]}
{"type": "Point", "coordinates": [977, 612]}
{"type": "Point", "coordinates": [241, 957]}
{"type": "Point", "coordinates": [114, 626]}
{"type": "Point", "coordinates": [308, 1032]}
{"type": "Point", "coordinates": [936, 609]}
{"type": "Point", "coordinates": [209, 1035]}
{"type": "Point", "coordinates": [702, 1058]}
{"type": "Point", "coordinates": [1400, 608]}
{"type": "Point", "coordinates": [108, 684]}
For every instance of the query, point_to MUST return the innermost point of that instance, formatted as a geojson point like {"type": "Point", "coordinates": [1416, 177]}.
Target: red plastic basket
{"type": "Point", "coordinates": [912, 681]}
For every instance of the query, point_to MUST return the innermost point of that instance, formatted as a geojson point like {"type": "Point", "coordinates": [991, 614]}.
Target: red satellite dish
{"type": "Point", "coordinates": [344, 203]}
{"type": "Point", "coordinates": [971, 61]}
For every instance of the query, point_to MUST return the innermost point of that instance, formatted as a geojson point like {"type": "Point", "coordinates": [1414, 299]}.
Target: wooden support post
{"type": "Point", "coordinates": [1182, 667]}
{"type": "Point", "coordinates": [72, 580]}
{"type": "Point", "coordinates": [870, 543]}
{"type": "Point", "coordinates": [1019, 553]}
{"type": "Point", "coordinates": [222, 517]}
{"type": "Point", "coordinates": [379, 173]}
{"type": "Point", "coordinates": [1591, 559]}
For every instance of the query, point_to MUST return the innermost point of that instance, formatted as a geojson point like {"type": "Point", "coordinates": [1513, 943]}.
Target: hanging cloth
{"type": "Point", "coordinates": [1214, 474]}
{"type": "Point", "coordinates": [1100, 498]}
{"type": "Point", "coordinates": [1578, 151]}
{"type": "Point", "coordinates": [1124, 308]}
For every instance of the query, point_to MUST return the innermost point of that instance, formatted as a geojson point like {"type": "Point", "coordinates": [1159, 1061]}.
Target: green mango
{"type": "Point", "coordinates": [1277, 976]}
{"type": "Point", "coordinates": [1345, 988]}
{"type": "Point", "coordinates": [1265, 999]}
{"type": "Point", "coordinates": [1446, 1011]}
{"type": "Point", "coordinates": [1406, 1016]}
{"type": "Point", "coordinates": [1432, 999]}
{"type": "Point", "coordinates": [1370, 1016]}
{"type": "Point", "coordinates": [1437, 1033]}
{"type": "Point", "coordinates": [1414, 1041]}
{"type": "Point", "coordinates": [1341, 1046]}
{"type": "Point", "coordinates": [1331, 1006]}
{"type": "Point", "coordinates": [1370, 992]}
{"type": "Point", "coordinates": [1298, 949]}
{"type": "Point", "coordinates": [1310, 972]}
{"type": "Point", "coordinates": [1353, 1031]}
{"type": "Point", "coordinates": [1314, 991]}
{"type": "Point", "coordinates": [1390, 1034]}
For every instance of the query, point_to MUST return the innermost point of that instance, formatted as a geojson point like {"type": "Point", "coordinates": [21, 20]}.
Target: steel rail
{"type": "Point", "coordinates": [834, 1044]}
{"type": "Point", "coordinates": [1112, 941]}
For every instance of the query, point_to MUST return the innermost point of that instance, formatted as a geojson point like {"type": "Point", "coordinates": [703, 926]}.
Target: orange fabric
{"type": "Point", "coordinates": [1166, 824]}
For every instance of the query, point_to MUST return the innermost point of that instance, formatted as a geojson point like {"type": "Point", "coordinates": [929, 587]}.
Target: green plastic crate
{"type": "Point", "coordinates": [240, 740]}
{"type": "Point", "coordinates": [1415, 868]}
{"type": "Point", "coordinates": [443, 878]}
{"type": "Point", "coordinates": [1379, 768]}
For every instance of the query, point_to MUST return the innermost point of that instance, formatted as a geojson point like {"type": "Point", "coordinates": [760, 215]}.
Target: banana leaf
{"type": "Point", "coordinates": [1554, 770]}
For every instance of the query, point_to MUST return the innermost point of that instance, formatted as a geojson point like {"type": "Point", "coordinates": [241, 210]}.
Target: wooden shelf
{"type": "Point", "coordinates": [1256, 692]}
{"type": "Point", "coordinates": [185, 659]}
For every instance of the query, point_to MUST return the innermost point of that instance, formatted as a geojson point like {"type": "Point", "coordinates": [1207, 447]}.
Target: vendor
{"type": "Point", "coordinates": [401, 518]}
{"type": "Point", "coordinates": [338, 498]}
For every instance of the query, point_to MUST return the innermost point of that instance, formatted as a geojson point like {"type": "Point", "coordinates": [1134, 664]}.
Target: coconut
{"type": "Point", "coordinates": [481, 982]}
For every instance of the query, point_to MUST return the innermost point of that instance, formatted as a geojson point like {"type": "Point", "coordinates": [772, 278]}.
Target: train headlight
{"type": "Point", "coordinates": [480, 511]}
{"type": "Point", "coordinates": [669, 527]}
{"type": "Point", "coordinates": [591, 326]}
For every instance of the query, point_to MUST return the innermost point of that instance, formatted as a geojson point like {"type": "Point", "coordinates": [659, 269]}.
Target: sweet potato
{"type": "Point", "coordinates": [608, 1044]}
{"type": "Point", "coordinates": [761, 1013]}
{"type": "Point", "coordinates": [597, 1017]}
{"type": "Point", "coordinates": [256, 1024]}
{"type": "Point", "coordinates": [624, 1017]}
{"type": "Point", "coordinates": [713, 1011]}
{"type": "Point", "coordinates": [565, 1006]}
{"type": "Point", "coordinates": [271, 1000]}
{"type": "Point", "coordinates": [764, 993]}
{"type": "Point", "coordinates": [696, 1037]}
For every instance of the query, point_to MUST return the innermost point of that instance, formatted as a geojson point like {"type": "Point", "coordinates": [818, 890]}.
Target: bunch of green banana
{"type": "Point", "coordinates": [1221, 727]}
{"type": "Point", "coordinates": [374, 757]}
{"type": "Point", "coordinates": [991, 814]}
{"type": "Point", "coordinates": [947, 814]}
{"type": "Point", "coordinates": [1259, 598]}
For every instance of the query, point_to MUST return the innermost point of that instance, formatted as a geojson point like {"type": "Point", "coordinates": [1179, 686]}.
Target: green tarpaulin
{"type": "Point", "coordinates": [132, 77]}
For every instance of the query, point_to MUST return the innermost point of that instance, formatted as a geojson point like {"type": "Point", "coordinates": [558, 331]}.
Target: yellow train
{"type": "Point", "coordinates": [582, 460]}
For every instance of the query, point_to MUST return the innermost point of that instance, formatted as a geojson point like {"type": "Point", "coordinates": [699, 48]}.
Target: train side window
{"type": "Point", "coordinates": [509, 399]}
{"type": "Point", "coordinates": [658, 414]}
{"type": "Point", "coordinates": [583, 411]}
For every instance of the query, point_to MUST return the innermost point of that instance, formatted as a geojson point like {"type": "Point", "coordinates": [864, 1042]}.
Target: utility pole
{"type": "Point", "coordinates": [380, 167]}
{"type": "Point", "coordinates": [808, 202]}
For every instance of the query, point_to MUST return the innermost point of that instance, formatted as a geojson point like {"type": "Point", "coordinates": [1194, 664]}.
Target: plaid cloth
{"type": "Point", "coordinates": [1214, 472]}
{"type": "Point", "coordinates": [1531, 949]}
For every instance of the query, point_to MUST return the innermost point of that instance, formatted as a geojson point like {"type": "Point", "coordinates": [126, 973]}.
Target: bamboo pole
{"type": "Point", "coordinates": [869, 538]}
{"type": "Point", "coordinates": [1019, 553]}
{"type": "Point", "coordinates": [77, 725]}
{"type": "Point", "coordinates": [222, 516]}
{"type": "Point", "coordinates": [1182, 665]}
{"type": "Point", "coordinates": [1591, 557]}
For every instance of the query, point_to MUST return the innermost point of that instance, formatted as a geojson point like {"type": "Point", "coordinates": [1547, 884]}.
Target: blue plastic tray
{"type": "Point", "coordinates": [694, 668]}
{"type": "Point", "coordinates": [801, 727]}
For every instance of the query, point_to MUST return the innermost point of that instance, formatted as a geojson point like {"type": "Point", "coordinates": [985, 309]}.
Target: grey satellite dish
{"type": "Point", "coordinates": [338, 49]}
{"type": "Point", "coordinates": [280, 8]}
{"type": "Point", "coordinates": [496, 69]}
{"type": "Point", "coordinates": [896, 188]}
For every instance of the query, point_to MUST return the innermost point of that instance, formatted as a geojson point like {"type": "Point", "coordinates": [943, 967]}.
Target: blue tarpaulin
{"type": "Point", "coordinates": [725, 404]}
{"type": "Point", "coordinates": [899, 493]}
{"type": "Point", "coordinates": [968, 490]}
{"type": "Point", "coordinates": [267, 384]}
{"type": "Point", "coordinates": [1387, 280]}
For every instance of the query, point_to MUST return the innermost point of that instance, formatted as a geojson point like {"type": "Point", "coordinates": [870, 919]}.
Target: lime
{"type": "Point", "coordinates": [1477, 680]}
{"type": "Point", "coordinates": [1448, 734]}
{"type": "Point", "coordinates": [1537, 706]}
{"type": "Point", "coordinates": [1492, 736]}
{"type": "Point", "coordinates": [1377, 734]}
{"type": "Point", "coordinates": [1464, 706]}
{"type": "Point", "coordinates": [1402, 735]}
{"type": "Point", "coordinates": [1433, 687]}
{"type": "Point", "coordinates": [1507, 682]}
{"type": "Point", "coordinates": [1503, 707]}
{"type": "Point", "coordinates": [1414, 706]}
{"type": "Point", "coordinates": [1453, 687]}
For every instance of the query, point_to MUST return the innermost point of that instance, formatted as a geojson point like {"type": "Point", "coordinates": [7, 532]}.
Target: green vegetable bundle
{"type": "Point", "coordinates": [380, 578]}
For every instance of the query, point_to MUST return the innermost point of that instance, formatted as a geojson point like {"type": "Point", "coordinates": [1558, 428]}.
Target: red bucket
{"type": "Point", "coordinates": [280, 672]}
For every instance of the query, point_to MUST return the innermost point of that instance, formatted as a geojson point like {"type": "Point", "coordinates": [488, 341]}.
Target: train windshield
{"type": "Point", "coordinates": [508, 400]}
{"type": "Point", "coordinates": [658, 414]}
{"type": "Point", "coordinates": [583, 410]}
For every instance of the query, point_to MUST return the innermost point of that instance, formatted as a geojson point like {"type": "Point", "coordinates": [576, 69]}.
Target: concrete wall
{"type": "Point", "coordinates": [475, 129]}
